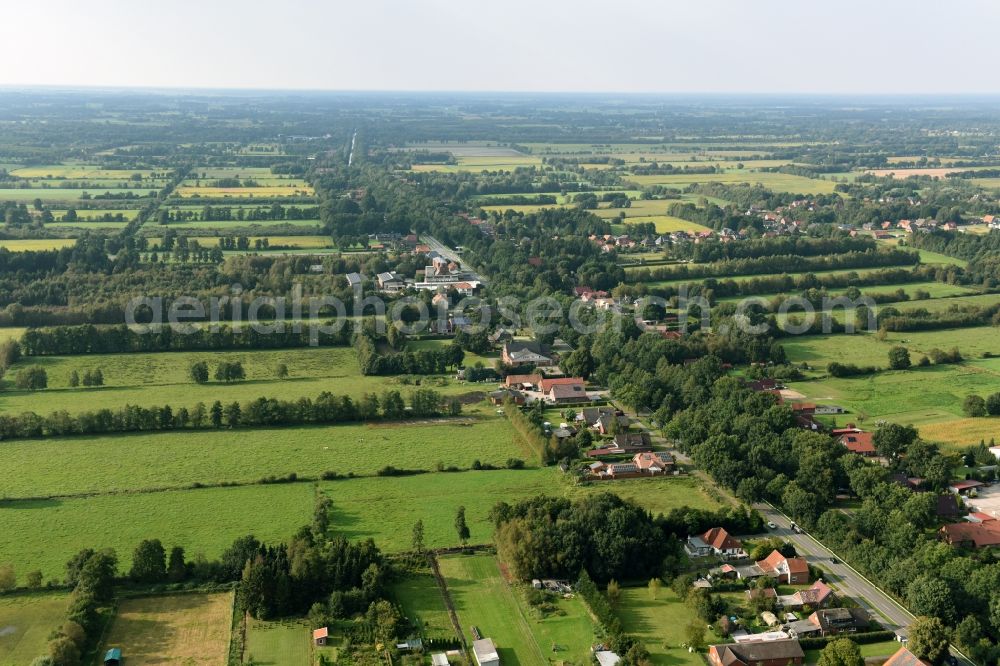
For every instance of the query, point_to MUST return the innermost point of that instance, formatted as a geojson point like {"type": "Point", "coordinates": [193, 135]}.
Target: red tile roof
{"type": "Point", "coordinates": [546, 384]}
{"type": "Point", "coordinates": [979, 534]}
{"type": "Point", "coordinates": [719, 539]}
{"type": "Point", "coordinates": [859, 442]}
{"type": "Point", "coordinates": [904, 657]}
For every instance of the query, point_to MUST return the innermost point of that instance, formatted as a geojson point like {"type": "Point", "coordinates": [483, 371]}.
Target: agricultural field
{"type": "Point", "coordinates": [44, 534]}
{"type": "Point", "coordinates": [86, 172]}
{"type": "Point", "coordinates": [660, 624]}
{"type": "Point", "coordinates": [750, 278]}
{"type": "Point", "coordinates": [481, 163]}
{"type": "Point", "coordinates": [485, 600]}
{"type": "Point", "coordinates": [279, 643]}
{"type": "Point", "coordinates": [780, 182]}
{"type": "Point", "coordinates": [230, 226]}
{"type": "Point", "coordinates": [68, 466]}
{"type": "Point", "coordinates": [189, 629]}
{"type": "Point", "coordinates": [263, 192]}
{"type": "Point", "coordinates": [164, 378]}
{"type": "Point", "coordinates": [939, 291]}
{"type": "Point", "coordinates": [36, 244]}
{"type": "Point", "coordinates": [11, 333]}
{"type": "Point", "coordinates": [52, 195]}
{"type": "Point", "coordinates": [87, 214]}
{"type": "Point", "coordinates": [26, 622]}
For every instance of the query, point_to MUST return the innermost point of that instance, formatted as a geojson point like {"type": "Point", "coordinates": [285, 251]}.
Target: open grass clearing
{"type": "Point", "coordinates": [189, 629]}
{"type": "Point", "coordinates": [227, 228]}
{"type": "Point", "coordinates": [45, 534]}
{"type": "Point", "coordinates": [422, 602]}
{"type": "Point", "coordinates": [81, 172]}
{"type": "Point", "coordinates": [142, 461]}
{"type": "Point", "coordinates": [481, 163]}
{"type": "Point", "coordinates": [164, 378]}
{"type": "Point", "coordinates": [262, 192]}
{"type": "Point", "coordinates": [937, 290]}
{"type": "Point", "coordinates": [660, 624]}
{"type": "Point", "coordinates": [750, 278]}
{"type": "Point", "coordinates": [279, 643]}
{"type": "Point", "coordinates": [26, 622]}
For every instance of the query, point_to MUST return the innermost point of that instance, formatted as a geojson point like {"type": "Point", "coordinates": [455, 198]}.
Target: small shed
{"type": "Point", "coordinates": [113, 657]}
{"type": "Point", "coordinates": [485, 652]}
{"type": "Point", "coordinates": [439, 659]}
{"type": "Point", "coordinates": [321, 635]}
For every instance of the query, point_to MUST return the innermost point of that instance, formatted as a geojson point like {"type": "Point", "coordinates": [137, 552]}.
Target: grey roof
{"type": "Point", "coordinates": [353, 279]}
{"type": "Point", "coordinates": [485, 650]}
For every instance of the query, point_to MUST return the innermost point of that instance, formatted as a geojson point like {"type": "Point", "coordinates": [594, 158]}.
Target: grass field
{"type": "Point", "coordinates": [779, 182]}
{"type": "Point", "coordinates": [11, 333]}
{"type": "Point", "coordinates": [55, 194]}
{"type": "Point", "coordinates": [227, 227]}
{"type": "Point", "coordinates": [484, 600]}
{"type": "Point", "coordinates": [297, 242]}
{"type": "Point", "coordinates": [420, 598]}
{"type": "Point", "coordinates": [164, 378]}
{"type": "Point", "coordinates": [84, 214]}
{"type": "Point", "coordinates": [263, 191]}
{"type": "Point", "coordinates": [937, 290]}
{"type": "Point", "coordinates": [660, 624]}
{"type": "Point", "coordinates": [25, 624]}
{"type": "Point", "coordinates": [36, 244]}
{"type": "Point", "coordinates": [189, 629]}
{"type": "Point", "coordinates": [478, 163]}
{"type": "Point", "coordinates": [751, 278]}
{"type": "Point", "coordinates": [79, 172]}
{"type": "Point", "coordinates": [279, 643]}
{"type": "Point", "coordinates": [69, 466]}
{"type": "Point", "coordinates": [44, 534]}
{"type": "Point", "coordinates": [386, 508]}
{"type": "Point", "coordinates": [868, 650]}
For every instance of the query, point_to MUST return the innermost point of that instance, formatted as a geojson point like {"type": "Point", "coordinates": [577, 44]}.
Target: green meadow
{"type": "Point", "coordinates": [279, 643]}
{"type": "Point", "coordinates": [660, 624]}
{"type": "Point", "coordinates": [164, 378]}
{"type": "Point", "coordinates": [54, 194]}
{"type": "Point", "coordinates": [142, 461]}
{"type": "Point", "coordinates": [44, 534]}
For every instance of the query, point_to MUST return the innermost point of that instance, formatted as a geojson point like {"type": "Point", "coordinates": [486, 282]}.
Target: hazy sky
{"type": "Point", "coordinates": [864, 46]}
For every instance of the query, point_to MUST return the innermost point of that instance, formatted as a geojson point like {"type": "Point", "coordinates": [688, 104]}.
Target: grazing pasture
{"type": "Point", "coordinates": [45, 534]}
{"type": "Point", "coordinates": [86, 172]}
{"type": "Point", "coordinates": [384, 508]}
{"type": "Point", "coordinates": [26, 622]}
{"type": "Point", "coordinates": [164, 378]}
{"type": "Point", "coordinates": [189, 629]}
{"type": "Point", "coordinates": [144, 461]}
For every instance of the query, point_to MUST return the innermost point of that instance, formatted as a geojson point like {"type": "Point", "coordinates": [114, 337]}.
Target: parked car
{"type": "Point", "coordinates": [771, 526]}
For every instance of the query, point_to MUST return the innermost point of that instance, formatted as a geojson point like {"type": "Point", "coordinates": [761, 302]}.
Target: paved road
{"type": "Point", "coordinates": [841, 577]}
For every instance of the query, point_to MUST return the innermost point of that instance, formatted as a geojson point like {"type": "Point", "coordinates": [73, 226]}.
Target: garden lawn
{"type": "Point", "coordinates": [26, 622]}
{"type": "Point", "coordinates": [45, 534]}
{"type": "Point", "coordinates": [279, 643]}
{"type": "Point", "coordinates": [484, 600]}
{"type": "Point", "coordinates": [143, 461]}
{"type": "Point", "coordinates": [421, 600]}
{"type": "Point", "coordinates": [164, 378]}
{"type": "Point", "coordinates": [660, 624]}
{"type": "Point", "coordinates": [868, 650]}
{"type": "Point", "coordinates": [189, 629]}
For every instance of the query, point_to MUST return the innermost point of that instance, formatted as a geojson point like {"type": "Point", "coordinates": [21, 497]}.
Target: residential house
{"type": "Point", "coordinates": [522, 381]}
{"type": "Point", "coordinates": [817, 596]}
{"type": "Point", "coordinates": [654, 463]}
{"type": "Point", "coordinates": [964, 487]}
{"type": "Point", "coordinates": [545, 384]}
{"type": "Point", "coordinates": [561, 394]}
{"type": "Point", "coordinates": [517, 353]}
{"type": "Point", "coordinates": [501, 396]}
{"type": "Point", "coordinates": [840, 620]}
{"type": "Point", "coordinates": [500, 336]}
{"type": "Point", "coordinates": [642, 464]}
{"type": "Point", "coordinates": [978, 535]}
{"type": "Point", "coordinates": [904, 657]}
{"type": "Point", "coordinates": [590, 415]}
{"type": "Point", "coordinates": [802, 629]}
{"type": "Point", "coordinates": [606, 423]}
{"type": "Point", "coordinates": [624, 443]}
{"type": "Point", "coordinates": [861, 443]}
{"type": "Point", "coordinates": [762, 653]}
{"type": "Point", "coordinates": [715, 541]}
{"type": "Point", "coordinates": [485, 652]}
{"type": "Point", "coordinates": [354, 280]}
{"type": "Point", "coordinates": [791, 570]}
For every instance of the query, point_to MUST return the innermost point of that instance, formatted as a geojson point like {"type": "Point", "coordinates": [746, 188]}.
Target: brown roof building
{"type": "Point", "coordinates": [764, 653]}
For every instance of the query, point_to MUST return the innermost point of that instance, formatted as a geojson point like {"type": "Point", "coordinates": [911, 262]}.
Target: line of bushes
{"type": "Point", "coordinates": [820, 642]}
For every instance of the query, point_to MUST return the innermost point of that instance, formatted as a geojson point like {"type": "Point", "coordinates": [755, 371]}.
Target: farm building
{"type": "Point", "coordinates": [486, 652]}
{"type": "Point", "coordinates": [321, 635]}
